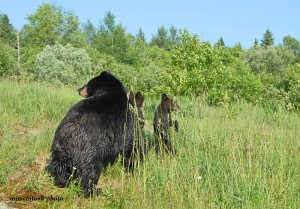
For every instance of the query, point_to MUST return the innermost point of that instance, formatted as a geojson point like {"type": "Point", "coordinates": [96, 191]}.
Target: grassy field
{"type": "Point", "coordinates": [242, 156]}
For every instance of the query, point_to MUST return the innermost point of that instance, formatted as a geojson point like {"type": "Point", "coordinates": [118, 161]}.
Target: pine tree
{"type": "Point", "coordinates": [112, 39]}
{"type": "Point", "coordinates": [221, 42]}
{"type": "Point", "coordinates": [141, 35]}
{"type": "Point", "coordinates": [7, 31]}
{"type": "Point", "coordinates": [173, 35]}
{"type": "Point", "coordinates": [255, 43]}
{"type": "Point", "coordinates": [268, 39]}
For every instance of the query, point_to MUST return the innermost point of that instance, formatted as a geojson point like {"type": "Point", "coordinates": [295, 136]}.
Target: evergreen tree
{"type": "Point", "coordinates": [7, 31]}
{"type": "Point", "coordinates": [221, 42]}
{"type": "Point", "coordinates": [112, 38]}
{"type": "Point", "coordinates": [161, 39]}
{"type": "Point", "coordinates": [141, 35]}
{"type": "Point", "coordinates": [255, 43]}
{"type": "Point", "coordinates": [174, 38]}
{"type": "Point", "coordinates": [268, 39]}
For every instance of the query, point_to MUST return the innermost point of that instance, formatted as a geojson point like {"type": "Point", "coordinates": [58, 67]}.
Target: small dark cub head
{"type": "Point", "coordinates": [138, 100]}
{"type": "Point", "coordinates": [168, 104]}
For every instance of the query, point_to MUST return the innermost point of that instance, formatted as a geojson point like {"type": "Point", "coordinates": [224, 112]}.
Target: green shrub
{"type": "Point", "coordinates": [268, 59]}
{"type": "Point", "coordinates": [8, 59]}
{"type": "Point", "coordinates": [291, 86]}
{"type": "Point", "coordinates": [63, 65]}
{"type": "Point", "coordinates": [200, 69]}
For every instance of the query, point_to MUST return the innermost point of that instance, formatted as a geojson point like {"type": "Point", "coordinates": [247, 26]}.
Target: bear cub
{"type": "Point", "coordinates": [94, 132]}
{"type": "Point", "coordinates": [162, 123]}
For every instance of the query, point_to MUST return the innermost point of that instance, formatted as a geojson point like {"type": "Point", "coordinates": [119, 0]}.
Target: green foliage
{"type": "Point", "coordinates": [291, 86]}
{"type": "Point", "coordinates": [63, 65]}
{"type": "Point", "coordinates": [221, 42]}
{"type": "Point", "coordinates": [268, 39]}
{"type": "Point", "coordinates": [43, 27]}
{"type": "Point", "coordinates": [7, 31]}
{"type": "Point", "coordinates": [141, 35]}
{"type": "Point", "coordinates": [49, 24]}
{"type": "Point", "coordinates": [170, 63]}
{"type": "Point", "coordinates": [143, 74]}
{"type": "Point", "coordinates": [200, 69]}
{"type": "Point", "coordinates": [112, 39]}
{"type": "Point", "coordinates": [268, 59]}
{"type": "Point", "coordinates": [8, 60]}
{"type": "Point", "coordinates": [292, 43]}
{"type": "Point", "coordinates": [89, 31]}
{"type": "Point", "coordinates": [165, 40]}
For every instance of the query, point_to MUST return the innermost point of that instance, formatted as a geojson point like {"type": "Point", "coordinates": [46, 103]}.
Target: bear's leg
{"type": "Point", "coordinates": [89, 178]}
{"type": "Point", "coordinates": [129, 156]}
{"type": "Point", "coordinates": [167, 142]}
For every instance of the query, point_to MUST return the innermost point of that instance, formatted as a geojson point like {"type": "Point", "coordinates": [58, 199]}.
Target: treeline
{"type": "Point", "coordinates": [55, 47]}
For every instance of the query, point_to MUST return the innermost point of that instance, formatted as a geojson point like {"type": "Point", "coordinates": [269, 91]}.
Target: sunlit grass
{"type": "Point", "coordinates": [241, 156]}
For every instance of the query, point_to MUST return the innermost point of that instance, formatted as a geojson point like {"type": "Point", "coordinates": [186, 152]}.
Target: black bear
{"type": "Point", "coordinates": [139, 101]}
{"type": "Point", "coordinates": [162, 123]}
{"type": "Point", "coordinates": [94, 132]}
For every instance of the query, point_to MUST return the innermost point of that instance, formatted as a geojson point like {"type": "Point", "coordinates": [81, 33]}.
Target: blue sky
{"type": "Point", "coordinates": [234, 21]}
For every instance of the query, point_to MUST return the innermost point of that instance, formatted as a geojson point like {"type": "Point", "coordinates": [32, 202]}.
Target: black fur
{"type": "Point", "coordinates": [94, 132]}
{"type": "Point", "coordinates": [162, 123]}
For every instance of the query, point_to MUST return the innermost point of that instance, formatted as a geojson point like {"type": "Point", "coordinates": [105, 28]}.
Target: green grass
{"type": "Point", "coordinates": [241, 156]}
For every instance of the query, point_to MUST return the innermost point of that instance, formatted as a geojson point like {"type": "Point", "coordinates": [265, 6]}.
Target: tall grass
{"type": "Point", "coordinates": [241, 156]}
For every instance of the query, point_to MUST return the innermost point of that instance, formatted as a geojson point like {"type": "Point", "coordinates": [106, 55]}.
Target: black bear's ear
{"type": "Point", "coordinates": [83, 91]}
{"type": "Point", "coordinates": [130, 95]}
{"type": "Point", "coordinates": [139, 95]}
{"type": "Point", "coordinates": [104, 73]}
{"type": "Point", "coordinates": [164, 96]}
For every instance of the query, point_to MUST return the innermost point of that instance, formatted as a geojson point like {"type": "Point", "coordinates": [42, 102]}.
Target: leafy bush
{"type": "Point", "coordinates": [8, 60]}
{"type": "Point", "coordinates": [291, 86]}
{"type": "Point", "coordinates": [268, 59]}
{"type": "Point", "coordinates": [63, 65]}
{"type": "Point", "coordinates": [200, 69]}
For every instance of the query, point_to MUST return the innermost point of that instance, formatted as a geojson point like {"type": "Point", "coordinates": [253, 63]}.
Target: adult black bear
{"type": "Point", "coordinates": [162, 123]}
{"type": "Point", "coordinates": [94, 132]}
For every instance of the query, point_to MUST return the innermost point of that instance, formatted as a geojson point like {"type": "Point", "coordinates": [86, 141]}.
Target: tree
{"type": "Point", "coordinates": [89, 31]}
{"type": "Point", "coordinates": [7, 31]}
{"type": "Point", "coordinates": [292, 43]}
{"type": "Point", "coordinates": [112, 39]}
{"type": "Point", "coordinates": [268, 39]}
{"type": "Point", "coordinates": [221, 42]}
{"type": "Point", "coordinates": [200, 69]}
{"type": "Point", "coordinates": [70, 32]}
{"type": "Point", "coordinates": [8, 64]}
{"type": "Point", "coordinates": [255, 43]}
{"type": "Point", "coordinates": [164, 40]}
{"type": "Point", "coordinates": [49, 24]}
{"type": "Point", "coordinates": [161, 38]}
{"type": "Point", "coordinates": [173, 35]}
{"type": "Point", "coordinates": [141, 35]}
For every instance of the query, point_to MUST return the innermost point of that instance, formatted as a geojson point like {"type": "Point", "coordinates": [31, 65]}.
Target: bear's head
{"type": "Point", "coordinates": [168, 104]}
{"type": "Point", "coordinates": [138, 99]}
{"type": "Point", "coordinates": [103, 83]}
